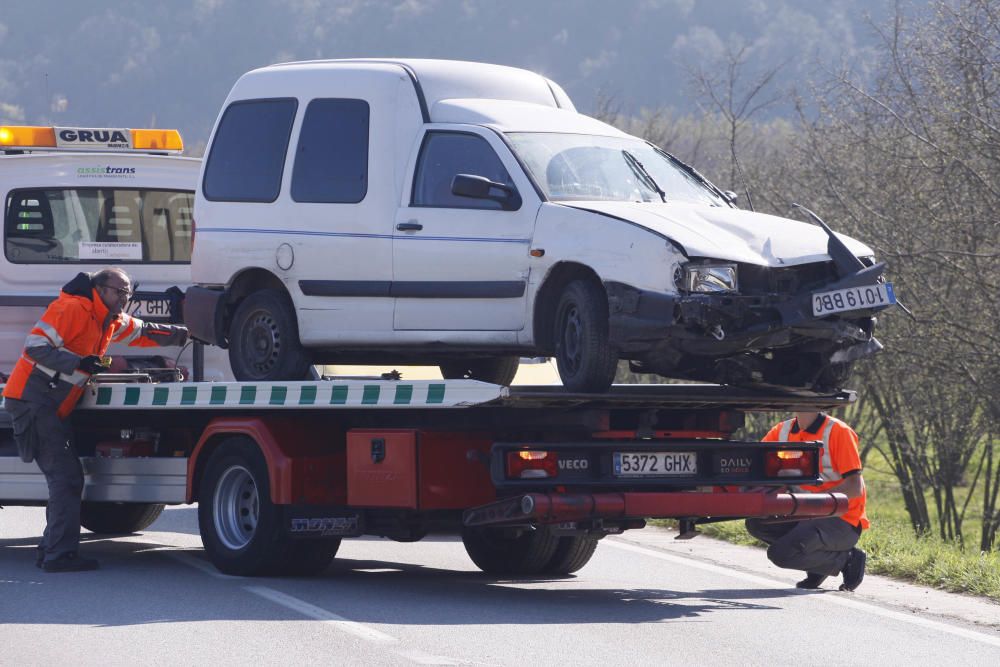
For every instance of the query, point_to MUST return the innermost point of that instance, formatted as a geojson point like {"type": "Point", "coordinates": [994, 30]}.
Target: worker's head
{"type": "Point", "coordinates": [114, 288]}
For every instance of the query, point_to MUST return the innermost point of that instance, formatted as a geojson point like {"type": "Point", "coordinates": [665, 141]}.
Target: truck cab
{"type": "Point", "coordinates": [79, 199]}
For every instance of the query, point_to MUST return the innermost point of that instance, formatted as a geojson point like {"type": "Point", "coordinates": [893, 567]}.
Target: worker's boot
{"type": "Point", "coordinates": [70, 562]}
{"type": "Point", "coordinates": [854, 570]}
{"type": "Point", "coordinates": [812, 580]}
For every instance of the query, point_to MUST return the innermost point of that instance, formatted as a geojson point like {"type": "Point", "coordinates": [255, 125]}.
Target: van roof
{"type": "Point", "coordinates": [436, 80]}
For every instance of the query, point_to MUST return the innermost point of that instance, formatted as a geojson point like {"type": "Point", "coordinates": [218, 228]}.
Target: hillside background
{"type": "Point", "coordinates": [171, 64]}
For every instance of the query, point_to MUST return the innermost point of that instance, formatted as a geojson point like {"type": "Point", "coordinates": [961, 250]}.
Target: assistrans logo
{"type": "Point", "coordinates": [105, 171]}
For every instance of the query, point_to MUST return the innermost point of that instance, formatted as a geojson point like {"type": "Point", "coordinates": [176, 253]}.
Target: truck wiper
{"type": "Point", "coordinates": [642, 174]}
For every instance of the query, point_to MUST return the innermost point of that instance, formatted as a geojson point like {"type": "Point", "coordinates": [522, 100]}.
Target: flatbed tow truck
{"type": "Point", "coordinates": [530, 477]}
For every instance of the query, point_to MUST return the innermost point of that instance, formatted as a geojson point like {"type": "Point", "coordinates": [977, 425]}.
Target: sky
{"type": "Point", "coordinates": [171, 64]}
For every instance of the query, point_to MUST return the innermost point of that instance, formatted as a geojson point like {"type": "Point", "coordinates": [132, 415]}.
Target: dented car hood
{"type": "Point", "coordinates": [726, 233]}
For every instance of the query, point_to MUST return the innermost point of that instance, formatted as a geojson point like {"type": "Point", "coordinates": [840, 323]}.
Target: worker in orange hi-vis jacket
{"type": "Point", "coordinates": [821, 547]}
{"type": "Point", "coordinates": [61, 353]}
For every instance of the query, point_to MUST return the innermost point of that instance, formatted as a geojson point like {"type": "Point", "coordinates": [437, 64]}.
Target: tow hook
{"type": "Point", "coordinates": [716, 332]}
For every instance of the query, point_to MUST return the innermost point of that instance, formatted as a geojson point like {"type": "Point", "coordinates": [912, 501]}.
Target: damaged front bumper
{"type": "Point", "coordinates": [737, 338]}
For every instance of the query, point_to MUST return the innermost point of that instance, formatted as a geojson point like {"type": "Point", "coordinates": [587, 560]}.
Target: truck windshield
{"type": "Point", "coordinates": [575, 167]}
{"type": "Point", "coordinates": [98, 225]}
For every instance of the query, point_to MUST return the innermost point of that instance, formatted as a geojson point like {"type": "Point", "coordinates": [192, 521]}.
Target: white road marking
{"type": "Point", "coordinates": [834, 598]}
{"type": "Point", "coordinates": [317, 613]}
{"type": "Point", "coordinates": [197, 564]}
{"type": "Point", "coordinates": [320, 614]}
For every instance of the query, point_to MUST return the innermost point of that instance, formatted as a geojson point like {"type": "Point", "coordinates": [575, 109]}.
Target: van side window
{"type": "Point", "coordinates": [443, 156]}
{"type": "Point", "coordinates": [98, 225]}
{"type": "Point", "coordinates": [331, 160]}
{"type": "Point", "coordinates": [248, 151]}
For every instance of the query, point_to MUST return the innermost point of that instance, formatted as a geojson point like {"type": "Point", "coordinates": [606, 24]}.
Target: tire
{"type": "Point", "coordinates": [496, 552]}
{"type": "Point", "coordinates": [264, 339]}
{"type": "Point", "coordinates": [241, 529]}
{"type": "Point", "coordinates": [584, 356]}
{"type": "Point", "coordinates": [118, 518]}
{"type": "Point", "coordinates": [572, 553]}
{"type": "Point", "coordinates": [496, 370]}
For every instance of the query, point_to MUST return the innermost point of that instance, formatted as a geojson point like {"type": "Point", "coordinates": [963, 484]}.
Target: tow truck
{"type": "Point", "coordinates": [531, 477]}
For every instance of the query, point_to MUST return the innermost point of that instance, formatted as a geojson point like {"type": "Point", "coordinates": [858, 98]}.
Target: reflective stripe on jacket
{"type": "Point", "coordinates": [75, 325]}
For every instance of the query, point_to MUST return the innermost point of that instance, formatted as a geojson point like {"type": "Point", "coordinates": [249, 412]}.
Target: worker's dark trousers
{"type": "Point", "coordinates": [55, 455]}
{"type": "Point", "coordinates": [819, 546]}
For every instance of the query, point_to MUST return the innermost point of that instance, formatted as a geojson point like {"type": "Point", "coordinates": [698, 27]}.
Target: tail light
{"type": "Point", "coordinates": [790, 463]}
{"type": "Point", "coordinates": [532, 464]}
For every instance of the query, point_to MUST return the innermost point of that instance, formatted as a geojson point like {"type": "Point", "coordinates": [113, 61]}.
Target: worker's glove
{"type": "Point", "coordinates": [165, 334]}
{"type": "Point", "coordinates": [91, 364]}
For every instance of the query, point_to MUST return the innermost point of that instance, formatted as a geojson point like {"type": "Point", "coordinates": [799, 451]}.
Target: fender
{"type": "Point", "coordinates": [305, 462]}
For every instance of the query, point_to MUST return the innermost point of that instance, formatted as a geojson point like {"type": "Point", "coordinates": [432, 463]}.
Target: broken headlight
{"type": "Point", "coordinates": [712, 278]}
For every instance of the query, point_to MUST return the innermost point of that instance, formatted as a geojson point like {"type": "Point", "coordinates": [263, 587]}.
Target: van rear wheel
{"type": "Point", "coordinates": [264, 339]}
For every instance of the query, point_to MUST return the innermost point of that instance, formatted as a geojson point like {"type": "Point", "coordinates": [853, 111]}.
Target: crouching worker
{"type": "Point", "coordinates": [62, 351]}
{"type": "Point", "coordinates": [821, 547]}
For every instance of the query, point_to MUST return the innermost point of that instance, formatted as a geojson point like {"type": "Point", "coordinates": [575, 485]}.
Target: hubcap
{"type": "Point", "coordinates": [261, 342]}
{"type": "Point", "coordinates": [572, 345]}
{"type": "Point", "coordinates": [236, 508]}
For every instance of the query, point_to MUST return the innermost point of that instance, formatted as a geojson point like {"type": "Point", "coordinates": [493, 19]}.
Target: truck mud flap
{"type": "Point", "coordinates": [550, 508]}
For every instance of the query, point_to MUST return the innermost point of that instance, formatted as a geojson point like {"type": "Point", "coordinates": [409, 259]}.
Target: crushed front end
{"type": "Point", "coordinates": [798, 326]}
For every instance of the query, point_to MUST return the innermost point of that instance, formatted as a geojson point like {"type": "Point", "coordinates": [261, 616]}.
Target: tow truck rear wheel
{"type": "Point", "coordinates": [584, 356]}
{"type": "Point", "coordinates": [264, 339]}
{"type": "Point", "coordinates": [505, 551]}
{"type": "Point", "coordinates": [572, 553]}
{"type": "Point", "coordinates": [241, 528]}
{"type": "Point", "coordinates": [118, 518]}
{"type": "Point", "coordinates": [496, 370]}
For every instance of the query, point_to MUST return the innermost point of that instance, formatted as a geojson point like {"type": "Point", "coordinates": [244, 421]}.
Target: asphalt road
{"type": "Point", "coordinates": [644, 599]}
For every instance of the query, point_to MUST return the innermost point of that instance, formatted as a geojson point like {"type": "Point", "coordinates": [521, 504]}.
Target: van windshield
{"type": "Point", "coordinates": [583, 167]}
{"type": "Point", "coordinates": [98, 225]}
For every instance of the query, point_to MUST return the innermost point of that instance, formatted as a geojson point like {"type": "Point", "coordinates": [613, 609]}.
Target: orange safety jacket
{"type": "Point", "coordinates": [839, 457]}
{"type": "Point", "coordinates": [75, 325]}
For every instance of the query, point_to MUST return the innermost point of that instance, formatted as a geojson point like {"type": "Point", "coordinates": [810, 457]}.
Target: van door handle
{"type": "Point", "coordinates": [411, 226]}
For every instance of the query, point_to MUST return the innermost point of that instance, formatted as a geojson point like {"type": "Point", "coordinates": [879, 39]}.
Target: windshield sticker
{"type": "Point", "coordinates": [95, 250]}
{"type": "Point", "coordinates": [105, 171]}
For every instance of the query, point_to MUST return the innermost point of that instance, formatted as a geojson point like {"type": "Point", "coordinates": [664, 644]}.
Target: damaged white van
{"type": "Point", "coordinates": [465, 215]}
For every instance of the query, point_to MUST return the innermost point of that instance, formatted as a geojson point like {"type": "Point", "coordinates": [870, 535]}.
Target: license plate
{"type": "Point", "coordinates": [149, 308]}
{"type": "Point", "coordinates": [655, 464]}
{"type": "Point", "coordinates": [853, 298]}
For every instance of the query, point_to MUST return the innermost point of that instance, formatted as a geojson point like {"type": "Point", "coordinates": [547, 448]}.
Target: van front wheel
{"type": "Point", "coordinates": [584, 356]}
{"type": "Point", "coordinates": [264, 340]}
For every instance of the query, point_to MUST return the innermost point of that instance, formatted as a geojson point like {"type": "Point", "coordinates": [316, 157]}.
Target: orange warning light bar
{"type": "Point", "coordinates": [157, 140]}
{"type": "Point", "coordinates": [25, 136]}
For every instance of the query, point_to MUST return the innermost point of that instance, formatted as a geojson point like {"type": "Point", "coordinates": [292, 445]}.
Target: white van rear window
{"type": "Point", "coordinates": [98, 225]}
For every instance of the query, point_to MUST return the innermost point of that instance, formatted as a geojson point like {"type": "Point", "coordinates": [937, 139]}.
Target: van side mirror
{"type": "Point", "coordinates": [730, 196]}
{"type": "Point", "coordinates": [480, 187]}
